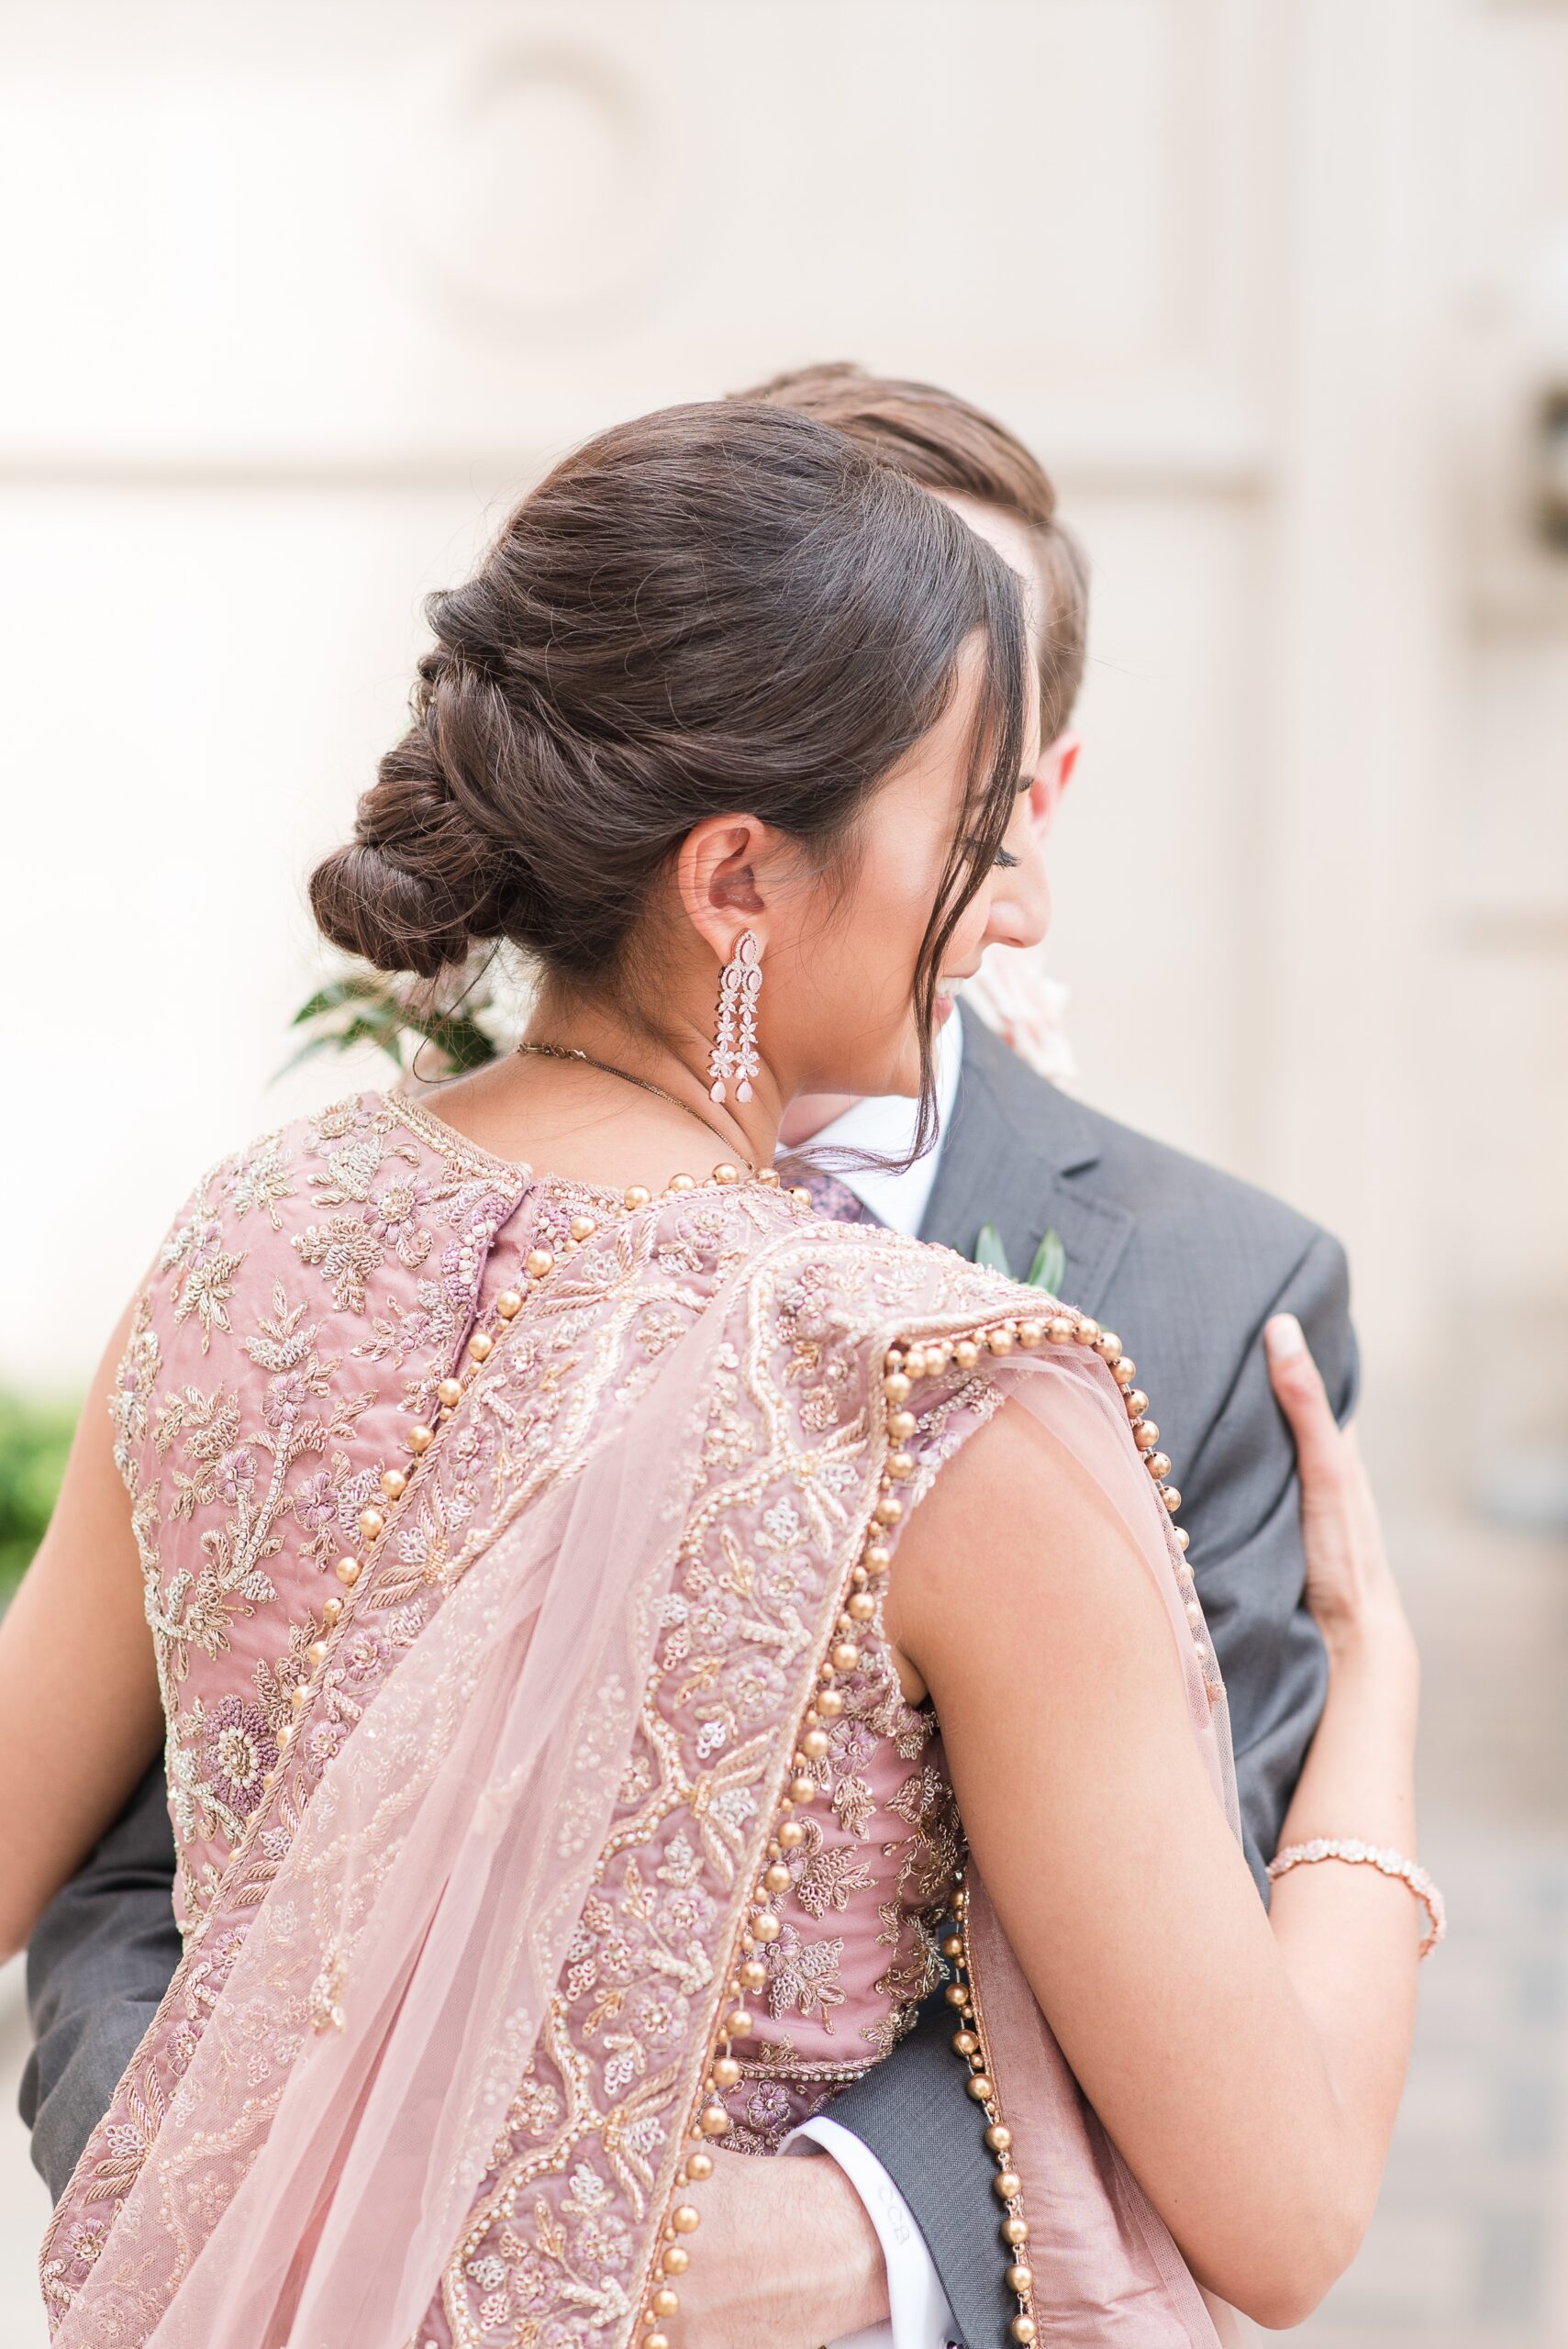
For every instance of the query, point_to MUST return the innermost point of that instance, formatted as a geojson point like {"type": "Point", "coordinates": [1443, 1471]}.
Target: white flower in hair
{"type": "Point", "coordinates": [1027, 1009]}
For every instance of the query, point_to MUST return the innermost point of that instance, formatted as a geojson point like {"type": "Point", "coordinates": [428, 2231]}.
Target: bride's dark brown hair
{"type": "Point", "coordinates": [716, 608]}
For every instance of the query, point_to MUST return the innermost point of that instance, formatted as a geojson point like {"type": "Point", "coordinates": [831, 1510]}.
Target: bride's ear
{"type": "Point", "coordinates": [716, 876]}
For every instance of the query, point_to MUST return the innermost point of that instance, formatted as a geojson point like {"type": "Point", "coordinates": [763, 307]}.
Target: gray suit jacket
{"type": "Point", "coordinates": [1186, 1265]}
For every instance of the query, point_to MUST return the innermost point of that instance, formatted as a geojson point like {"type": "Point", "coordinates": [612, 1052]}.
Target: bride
{"type": "Point", "coordinates": [560, 1544]}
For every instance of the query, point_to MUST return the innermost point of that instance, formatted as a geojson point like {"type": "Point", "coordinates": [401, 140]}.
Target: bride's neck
{"type": "Point", "coordinates": [572, 1118]}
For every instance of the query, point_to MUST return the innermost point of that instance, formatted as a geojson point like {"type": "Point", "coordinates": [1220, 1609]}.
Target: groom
{"type": "Point", "coordinates": [1186, 1264]}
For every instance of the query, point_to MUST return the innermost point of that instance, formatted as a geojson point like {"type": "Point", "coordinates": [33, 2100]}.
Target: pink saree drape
{"type": "Point", "coordinates": [371, 2109]}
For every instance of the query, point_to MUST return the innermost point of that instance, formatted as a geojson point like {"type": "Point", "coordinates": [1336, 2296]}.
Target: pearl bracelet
{"type": "Point", "coordinates": [1377, 1856]}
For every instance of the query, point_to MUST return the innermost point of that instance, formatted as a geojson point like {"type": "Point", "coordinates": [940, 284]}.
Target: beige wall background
{"type": "Point", "coordinates": [300, 294]}
{"type": "Point", "coordinates": [299, 297]}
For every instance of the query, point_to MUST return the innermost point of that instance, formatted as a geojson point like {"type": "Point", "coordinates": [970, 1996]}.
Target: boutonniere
{"type": "Point", "coordinates": [1046, 1272]}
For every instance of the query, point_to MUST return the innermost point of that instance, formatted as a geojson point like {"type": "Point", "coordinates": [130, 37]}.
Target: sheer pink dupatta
{"type": "Point", "coordinates": [312, 2178]}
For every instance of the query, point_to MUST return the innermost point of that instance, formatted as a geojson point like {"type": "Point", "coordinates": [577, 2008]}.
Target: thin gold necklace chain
{"type": "Point", "coordinates": [646, 1084]}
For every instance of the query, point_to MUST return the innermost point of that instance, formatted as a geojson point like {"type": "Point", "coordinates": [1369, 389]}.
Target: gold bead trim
{"type": "Point", "coordinates": [1008, 2187]}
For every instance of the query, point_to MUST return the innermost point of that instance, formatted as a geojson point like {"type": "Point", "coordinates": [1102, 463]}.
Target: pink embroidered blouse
{"type": "Point", "coordinates": [314, 1290]}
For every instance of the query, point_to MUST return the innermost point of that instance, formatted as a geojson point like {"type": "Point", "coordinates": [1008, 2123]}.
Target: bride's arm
{"type": "Point", "coordinates": [79, 1718]}
{"type": "Point", "coordinates": [1249, 2067]}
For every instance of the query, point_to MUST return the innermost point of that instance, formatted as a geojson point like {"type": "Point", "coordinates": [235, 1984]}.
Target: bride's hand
{"type": "Point", "coordinates": [1349, 1586]}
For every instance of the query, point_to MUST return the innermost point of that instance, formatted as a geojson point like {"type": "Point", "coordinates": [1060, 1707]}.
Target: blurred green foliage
{"type": "Point", "coordinates": [34, 1441]}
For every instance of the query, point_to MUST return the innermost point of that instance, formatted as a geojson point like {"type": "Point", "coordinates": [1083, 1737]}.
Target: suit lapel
{"type": "Point", "coordinates": [1014, 1155]}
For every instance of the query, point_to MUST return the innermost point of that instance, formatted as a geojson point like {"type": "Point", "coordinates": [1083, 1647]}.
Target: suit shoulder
{"type": "Point", "coordinates": [1161, 1185]}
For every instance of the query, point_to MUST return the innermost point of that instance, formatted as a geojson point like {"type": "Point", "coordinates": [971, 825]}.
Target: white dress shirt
{"type": "Point", "coordinates": [919, 2314]}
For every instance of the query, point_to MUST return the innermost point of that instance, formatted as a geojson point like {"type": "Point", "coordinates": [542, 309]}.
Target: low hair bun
{"type": "Point", "coordinates": [423, 879]}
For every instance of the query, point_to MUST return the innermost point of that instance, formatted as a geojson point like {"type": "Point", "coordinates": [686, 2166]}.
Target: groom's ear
{"type": "Point", "coordinates": [1051, 778]}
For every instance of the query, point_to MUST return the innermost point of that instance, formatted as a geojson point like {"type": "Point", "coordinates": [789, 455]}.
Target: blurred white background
{"type": "Point", "coordinates": [298, 297]}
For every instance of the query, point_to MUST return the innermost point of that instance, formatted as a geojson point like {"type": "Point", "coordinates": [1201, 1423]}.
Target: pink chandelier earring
{"type": "Point", "coordinates": [734, 1053]}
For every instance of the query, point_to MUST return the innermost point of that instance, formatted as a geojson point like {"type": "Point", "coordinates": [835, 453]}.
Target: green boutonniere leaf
{"type": "Point", "coordinates": [1047, 1270]}
{"type": "Point", "coordinates": [1050, 1265]}
{"type": "Point", "coordinates": [989, 1250]}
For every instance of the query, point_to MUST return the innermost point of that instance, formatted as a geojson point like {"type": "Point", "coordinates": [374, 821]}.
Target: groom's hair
{"type": "Point", "coordinates": [944, 444]}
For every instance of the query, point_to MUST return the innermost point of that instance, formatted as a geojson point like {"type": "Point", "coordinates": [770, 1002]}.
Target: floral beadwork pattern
{"type": "Point", "coordinates": [788, 1449]}
{"type": "Point", "coordinates": [256, 1407]}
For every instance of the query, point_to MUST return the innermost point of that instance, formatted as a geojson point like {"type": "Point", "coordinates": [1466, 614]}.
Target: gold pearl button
{"type": "Point", "coordinates": [845, 1656]}
{"type": "Point", "coordinates": [1158, 1464]}
{"type": "Point", "coordinates": [1171, 1499]}
{"type": "Point", "coordinates": [1146, 1435]}
{"type": "Point", "coordinates": [814, 1745]}
{"type": "Point", "coordinates": [791, 1835]}
{"type": "Point", "coordinates": [539, 1260]}
{"type": "Point", "coordinates": [510, 1304]}
{"type": "Point", "coordinates": [900, 1465]}
{"type": "Point", "coordinates": [583, 1227]}
{"type": "Point", "coordinates": [901, 1425]}
{"type": "Point", "coordinates": [664, 2302]}
{"type": "Point", "coordinates": [1029, 1335]}
{"type": "Point", "coordinates": [801, 1196]}
{"type": "Point", "coordinates": [1087, 1332]}
{"type": "Point", "coordinates": [371, 1524]}
{"type": "Point", "coordinates": [1007, 2185]}
{"type": "Point", "coordinates": [449, 1394]}
{"type": "Point", "coordinates": [685, 2218]}
{"type": "Point", "coordinates": [896, 1387]}
{"type": "Point", "coordinates": [965, 2043]}
{"type": "Point", "coordinates": [770, 1175]}
{"type": "Point", "coordinates": [699, 2165]}
{"type": "Point", "coordinates": [715, 2122]}
{"type": "Point", "coordinates": [1015, 2231]}
{"type": "Point", "coordinates": [878, 1559]}
{"type": "Point", "coordinates": [1137, 1403]}
{"type": "Point", "coordinates": [956, 1995]}
{"type": "Point", "coordinates": [889, 1509]}
{"type": "Point", "coordinates": [393, 1484]}
{"type": "Point", "coordinates": [966, 1353]}
{"type": "Point", "coordinates": [1024, 2328]}
{"type": "Point", "coordinates": [953, 1945]}
{"type": "Point", "coordinates": [1059, 1330]}
{"type": "Point", "coordinates": [726, 2071]}
{"type": "Point", "coordinates": [776, 1877]}
{"type": "Point", "coordinates": [829, 1704]}
{"type": "Point", "coordinates": [1021, 2280]}
{"type": "Point", "coordinates": [480, 1346]}
{"type": "Point", "coordinates": [1183, 1537]}
{"type": "Point", "coordinates": [637, 1196]}
{"type": "Point", "coordinates": [999, 2137]}
{"type": "Point", "coordinates": [765, 1926]}
{"type": "Point", "coordinates": [420, 1439]}
{"type": "Point", "coordinates": [315, 1654]}
{"type": "Point", "coordinates": [655, 2340]}
{"type": "Point", "coordinates": [348, 1571]}
{"type": "Point", "coordinates": [284, 1736]}
{"type": "Point", "coordinates": [330, 1610]}
{"type": "Point", "coordinates": [737, 2024]}
{"type": "Point", "coordinates": [725, 1173]}
{"type": "Point", "coordinates": [861, 1608]}
{"type": "Point", "coordinates": [803, 1790]}
{"type": "Point", "coordinates": [299, 1696]}
{"type": "Point", "coordinates": [980, 2087]}
{"type": "Point", "coordinates": [1000, 1342]}
{"type": "Point", "coordinates": [1125, 1371]}
{"type": "Point", "coordinates": [754, 1977]}
{"type": "Point", "coordinates": [683, 1183]}
{"type": "Point", "coordinates": [1107, 1345]}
